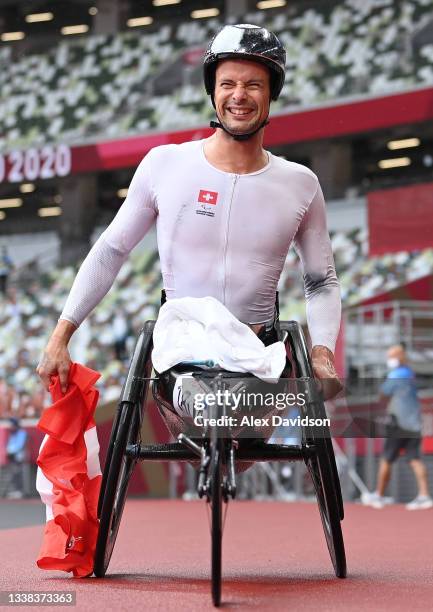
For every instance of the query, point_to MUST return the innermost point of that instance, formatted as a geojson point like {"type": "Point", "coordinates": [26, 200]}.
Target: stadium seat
{"type": "Point", "coordinates": [99, 84]}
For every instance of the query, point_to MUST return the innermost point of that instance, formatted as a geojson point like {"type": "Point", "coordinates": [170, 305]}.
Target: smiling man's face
{"type": "Point", "coordinates": [242, 95]}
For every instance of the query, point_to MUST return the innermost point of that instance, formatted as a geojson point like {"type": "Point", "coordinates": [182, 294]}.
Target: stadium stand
{"type": "Point", "coordinates": [117, 85]}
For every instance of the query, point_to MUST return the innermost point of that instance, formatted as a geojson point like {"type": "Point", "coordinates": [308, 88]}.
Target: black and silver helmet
{"type": "Point", "coordinates": [246, 41]}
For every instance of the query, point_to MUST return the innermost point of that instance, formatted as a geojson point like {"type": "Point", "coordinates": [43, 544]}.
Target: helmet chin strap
{"type": "Point", "coordinates": [239, 137]}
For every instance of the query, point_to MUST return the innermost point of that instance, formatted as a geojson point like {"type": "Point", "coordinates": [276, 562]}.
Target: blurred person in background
{"type": "Point", "coordinates": [13, 308]}
{"type": "Point", "coordinates": [120, 330]}
{"type": "Point", "coordinates": [26, 408]}
{"type": "Point", "coordinates": [39, 399]}
{"type": "Point", "coordinates": [6, 266]}
{"type": "Point", "coordinates": [6, 398]}
{"type": "Point", "coordinates": [16, 452]}
{"type": "Point", "coordinates": [403, 432]}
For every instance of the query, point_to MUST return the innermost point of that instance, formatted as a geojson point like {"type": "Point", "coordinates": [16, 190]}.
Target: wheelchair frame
{"type": "Point", "coordinates": [125, 449]}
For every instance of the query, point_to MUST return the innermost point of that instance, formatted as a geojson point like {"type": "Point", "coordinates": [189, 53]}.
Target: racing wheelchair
{"type": "Point", "coordinates": [217, 453]}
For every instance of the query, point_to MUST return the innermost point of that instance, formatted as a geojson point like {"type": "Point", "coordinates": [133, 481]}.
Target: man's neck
{"type": "Point", "coordinates": [235, 156]}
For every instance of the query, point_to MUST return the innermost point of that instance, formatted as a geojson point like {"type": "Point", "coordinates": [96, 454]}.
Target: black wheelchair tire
{"type": "Point", "coordinates": [320, 469]}
{"type": "Point", "coordinates": [131, 392]}
{"type": "Point", "coordinates": [216, 522]}
{"type": "Point", "coordinates": [113, 435]}
{"type": "Point", "coordinates": [321, 464]}
{"type": "Point", "coordinates": [323, 471]}
{"type": "Point", "coordinates": [118, 475]}
{"type": "Point", "coordinates": [335, 476]}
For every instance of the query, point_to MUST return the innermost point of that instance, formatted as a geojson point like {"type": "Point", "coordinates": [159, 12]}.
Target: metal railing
{"type": "Point", "coordinates": [370, 330]}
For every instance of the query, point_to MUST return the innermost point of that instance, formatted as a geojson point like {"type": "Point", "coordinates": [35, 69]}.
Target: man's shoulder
{"type": "Point", "coordinates": [162, 153]}
{"type": "Point", "coordinates": [296, 172]}
{"type": "Point", "coordinates": [294, 168]}
{"type": "Point", "coordinates": [402, 371]}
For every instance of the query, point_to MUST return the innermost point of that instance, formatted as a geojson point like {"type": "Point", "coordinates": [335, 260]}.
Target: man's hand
{"type": "Point", "coordinates": [56, 359]}
{"type": "Point", "coordinates": [324, 369]}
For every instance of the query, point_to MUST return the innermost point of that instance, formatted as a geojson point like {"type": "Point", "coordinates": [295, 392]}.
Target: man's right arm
{"type": "Point", "coordinates": [99, 270]}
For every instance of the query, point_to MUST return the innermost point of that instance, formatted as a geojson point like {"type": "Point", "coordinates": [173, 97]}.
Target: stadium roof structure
{"type": "Point", "coordinates": [49, 16]}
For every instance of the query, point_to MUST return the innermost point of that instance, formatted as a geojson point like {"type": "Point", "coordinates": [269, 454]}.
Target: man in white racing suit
{"type": "Point", "coordinates": [226, 212]}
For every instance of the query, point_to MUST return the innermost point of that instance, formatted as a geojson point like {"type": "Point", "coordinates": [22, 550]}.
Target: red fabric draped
{"type": "Point", "coordinates": [70, 537]}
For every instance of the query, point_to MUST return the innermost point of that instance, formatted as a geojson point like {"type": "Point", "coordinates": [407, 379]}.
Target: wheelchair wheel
{"type": "Point", "coordinates": [321, 466]}
{"type": "Point", "coordinates": [117, 473]}
{"type": "Point", "coordinates": [216, 521]}
{"type": "Point", "coordinates": [113, 435]}
{"type": "Point", "coordinates": [335, 476]}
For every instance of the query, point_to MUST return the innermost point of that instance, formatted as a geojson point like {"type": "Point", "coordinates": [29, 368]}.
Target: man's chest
{"type": "Point", "coordinates": [220, 211]}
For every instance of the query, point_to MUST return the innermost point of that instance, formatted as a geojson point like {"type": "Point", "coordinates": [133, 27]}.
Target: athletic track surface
{"type": "Point", "coordinates": [274, 558]}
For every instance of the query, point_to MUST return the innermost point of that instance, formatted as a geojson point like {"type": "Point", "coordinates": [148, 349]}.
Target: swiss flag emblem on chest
{"type": "Point", "coordinates": [207, 197]}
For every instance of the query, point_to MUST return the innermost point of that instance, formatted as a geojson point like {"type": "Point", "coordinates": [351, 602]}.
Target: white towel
{"type": "Point", "coordinates": [202, 329]}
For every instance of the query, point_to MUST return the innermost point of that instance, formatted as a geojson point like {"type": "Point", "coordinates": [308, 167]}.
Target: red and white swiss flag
{"type": "Point", "coordinates": [207, 197]}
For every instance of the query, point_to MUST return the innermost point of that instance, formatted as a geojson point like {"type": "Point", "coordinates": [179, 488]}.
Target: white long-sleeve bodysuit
{"type": "Point", "coordinates": [220, 234]}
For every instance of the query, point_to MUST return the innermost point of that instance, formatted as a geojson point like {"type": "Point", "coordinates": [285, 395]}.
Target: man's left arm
{"type": "Point", "coordinates": [322, 292]}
